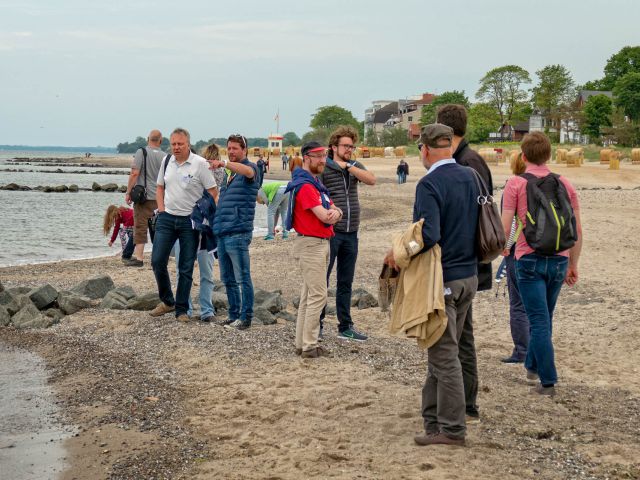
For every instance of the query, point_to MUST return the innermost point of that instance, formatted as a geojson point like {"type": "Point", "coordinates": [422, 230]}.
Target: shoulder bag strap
{"type": "Point", "coordinates": [144, 166]}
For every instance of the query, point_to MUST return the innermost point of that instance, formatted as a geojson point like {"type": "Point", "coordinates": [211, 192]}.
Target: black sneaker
{"type": "Point", "coordinates": [243, 326]}
{"type": "Point", "coordinates": [232, 323]}
{"type": "Point", "coordinates": [227, 322]}
{"type": "Point", "coordinates": [352, 334]}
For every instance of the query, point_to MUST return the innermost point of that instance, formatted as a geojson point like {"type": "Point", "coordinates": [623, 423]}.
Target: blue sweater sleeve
{"type": "Point", "coordinates": [427, 206]}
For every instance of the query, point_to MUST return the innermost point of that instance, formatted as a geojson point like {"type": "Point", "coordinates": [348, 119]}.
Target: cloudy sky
{"type": "Point", "coordinates": [86, 73]}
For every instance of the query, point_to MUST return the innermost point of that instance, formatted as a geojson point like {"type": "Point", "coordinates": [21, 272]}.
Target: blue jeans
{"type": "Point", "coordinates": [205, 263]}
{"type": "Point", "coordinates": [402, 178]}
{"type": "Point", "coordinates": [235, 269]}
{"type": "Point", "coordinates": [128, 248]}
{"type": "Point", "coordinates": [170, 228]}
{"type": "Point", "coordinates": [344, 248]}
{"type": "Point", "coordinates": [540, 280]}
{"type": "Point", "coordinates": [278, 206]}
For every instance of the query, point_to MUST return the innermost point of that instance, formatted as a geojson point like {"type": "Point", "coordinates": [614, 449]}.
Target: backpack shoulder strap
{"type": "Point", "coordinates": [144, 166]}
{"type": "Point", "coordinates": [165, 163]}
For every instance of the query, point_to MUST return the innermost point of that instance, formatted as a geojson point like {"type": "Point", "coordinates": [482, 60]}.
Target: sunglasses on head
{"type": "Point", "coordinates": [238, 139]}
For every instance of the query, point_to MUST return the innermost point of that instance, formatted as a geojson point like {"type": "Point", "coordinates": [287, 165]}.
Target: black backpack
{"type": "Point", "coordinates": [550, 227]}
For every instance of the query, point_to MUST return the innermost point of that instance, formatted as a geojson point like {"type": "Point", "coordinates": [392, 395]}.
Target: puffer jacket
{"type": "Point", "coordinates": [237, 204]}
{"type": "Point", "coordinates": [343, 190]}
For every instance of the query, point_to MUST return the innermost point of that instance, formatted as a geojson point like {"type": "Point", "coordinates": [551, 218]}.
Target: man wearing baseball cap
{"type": "Point", "coordinates": [312, 214]}
{"type": "Point", "coordinates": [446, 198]}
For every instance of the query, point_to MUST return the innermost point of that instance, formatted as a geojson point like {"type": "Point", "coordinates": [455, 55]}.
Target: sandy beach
{"type": "Point", "coordinates": [156, 399]}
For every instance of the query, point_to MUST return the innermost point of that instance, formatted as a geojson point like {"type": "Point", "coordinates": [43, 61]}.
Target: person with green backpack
{"type": "Point", "coordinates": [547, 252]}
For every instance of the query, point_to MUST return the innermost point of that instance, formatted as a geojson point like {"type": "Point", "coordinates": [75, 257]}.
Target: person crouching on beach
{"type": "Point", "coordinates": [121, 220]}
{"type": "Point", "coordinates": [274, 196]}
{"type": "Point", "coordinates": [312, 215]}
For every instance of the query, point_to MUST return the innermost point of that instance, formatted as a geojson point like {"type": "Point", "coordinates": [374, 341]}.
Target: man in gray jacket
{"type": "Point", "coordinates": [341, 177]}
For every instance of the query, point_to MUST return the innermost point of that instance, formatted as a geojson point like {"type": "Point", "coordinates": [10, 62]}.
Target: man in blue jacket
{"type": "Point", "coordinates": [233, 227]}
{"type": "Point", "coordinates": [447, 200]}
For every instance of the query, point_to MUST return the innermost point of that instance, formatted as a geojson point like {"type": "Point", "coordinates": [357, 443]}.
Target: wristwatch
{"type": "Point", "coordinates": [350, 164]}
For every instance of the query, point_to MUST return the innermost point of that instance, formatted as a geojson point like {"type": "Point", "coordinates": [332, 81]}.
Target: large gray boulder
{"type": "Point", "coordinates": [95, 186]}
{"type": "Point", "coordinates": [5, 318]}
{"type": "Point", "coordinates": [296, 301]}
{"type": "Point", "coordinates": [118, 298]}
{"type": "Point", "coordinates": [30, 317]}
{"type": "Point", "coordinates": [71, 303]}
{"type": "Point", "coordinates": [284, 315]}
{"type": "Point", "coordinates": [146, 301]}
{"type": "Point", "coordinates": [9, 302]}
{"type": "Point", "coordinates": [61, 189]}
{"type": "Point", "coordinates": [73, 187]}
{"type": "Point", "coordinates": [55, 314]}
{"type": "Point", "coordinates": [95, 287]}
{"type": "Point", "coordinates": [18, 290]}
{"type": "Point", "coordinates": [264, 316]}
{"type": "Point", "coordinates": [367, 300]}
{"type": "Point", "coordinates": [109, 187]}
{"type": "Point", "coordinates": [43, 296]}
{"type": "Point", "coordinates": [220, 301]}
{"type": "Point", "coordinates": [272, 301]}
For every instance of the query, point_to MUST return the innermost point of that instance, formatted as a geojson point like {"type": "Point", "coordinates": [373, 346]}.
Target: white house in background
{"type": "Point", "coordinates": [274, 143]}
{"type": "Point", "coordinates": [375, 106]}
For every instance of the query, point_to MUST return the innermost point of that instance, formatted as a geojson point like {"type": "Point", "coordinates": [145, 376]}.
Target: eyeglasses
{"type": "Point", "coordinates": [237, 138]}
{"type": "Point", "coordinates": [316, 155]}
{"type": "Point", "coordinates": [347, 146]}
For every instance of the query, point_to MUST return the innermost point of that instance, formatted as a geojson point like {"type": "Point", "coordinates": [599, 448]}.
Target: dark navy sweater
{"type": "Point", "coordinates": [447, 200]}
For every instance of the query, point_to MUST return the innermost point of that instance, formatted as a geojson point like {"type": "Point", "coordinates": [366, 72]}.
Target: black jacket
{"type": "Point", "coordinates": [464, 155]}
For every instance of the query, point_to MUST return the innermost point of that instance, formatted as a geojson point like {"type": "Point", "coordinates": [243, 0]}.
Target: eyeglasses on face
{"type": "Point", "coordinates": [347, 146]}
{"type": "Point", "coordinates": [238, 139]}
{"type": "Point", "coordinates": [316, 156]}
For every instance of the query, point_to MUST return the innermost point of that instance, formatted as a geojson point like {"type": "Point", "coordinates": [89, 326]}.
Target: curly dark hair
{"type": "Point", "coordinates": [338, 133]}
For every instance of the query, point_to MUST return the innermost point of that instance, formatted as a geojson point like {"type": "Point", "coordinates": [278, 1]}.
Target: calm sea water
{"type": "Point", "coordinates": [40, 227]}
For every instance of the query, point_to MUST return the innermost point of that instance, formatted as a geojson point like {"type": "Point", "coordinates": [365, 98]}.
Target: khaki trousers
{"type": "Point", "coordinates": [312, 255]}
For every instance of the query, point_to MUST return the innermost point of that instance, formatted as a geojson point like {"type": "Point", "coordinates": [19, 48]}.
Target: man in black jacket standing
{"type": "Point", "coordinates": [341, 177]}
{"type": "Point", "coordinates": [455, 116]}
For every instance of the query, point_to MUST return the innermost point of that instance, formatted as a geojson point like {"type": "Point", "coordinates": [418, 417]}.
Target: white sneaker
{"type": "Point", "coordinates": [235, 324]}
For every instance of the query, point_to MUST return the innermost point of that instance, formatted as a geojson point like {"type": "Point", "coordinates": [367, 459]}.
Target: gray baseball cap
{"type": "Point", "coordinates": [433, 132]}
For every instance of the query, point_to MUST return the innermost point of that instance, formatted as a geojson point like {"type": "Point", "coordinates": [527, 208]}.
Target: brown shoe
{"type": "Point", "coordinates": [298, 351]}
{"type": "Point", "coordinates": [184, 318]}
{"type": "Point", "coordinates": [545, 391]}
{"type": "Point", "coordinates": [315, 353]}
{"type": "Point", "coordinates": [161, 309]}
{"type": "Point", "coordinates": [438, 439]}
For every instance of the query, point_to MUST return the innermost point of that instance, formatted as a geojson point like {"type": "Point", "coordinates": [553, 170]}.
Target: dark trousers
{"type": "Point", "coordinates": [443, 394]}
{"type": "Point", "coordinates": [344, 249]}
{"type": "Point", "coordinates": [170, 228]}
{"type": "Point", "coordinates": [469, 362]}
{"type": "Point", "coordinates": [128, 248]}
{"type": "Point", "coordinates": [518, 320]}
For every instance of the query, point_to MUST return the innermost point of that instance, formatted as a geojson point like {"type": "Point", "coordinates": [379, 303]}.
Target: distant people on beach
{"type": "Point", "coordinates": [121, 220]}
{"type": "Point", "coordinates": [341, 176]}
{"type": "Point", "coordinates": [274, 196]}
{"type": "Point", "coordinates": [295, 162]}
{"type": "Point", "coordinates": [233, 227]}
{"type": "Point", "coordinates": [262, 167]}
{"type": "Point", "coordinates": [313, 215]}
{"type": "Point", "coordinates": [402, 171]}
{"type": "Point", "coordinates": [547, 252]}
{"type": "Point", "coordinates": [285, 161]}
{"type": "Point", "coordinates": [179, 187]}
{"type": "Point", "coordinates": [455, 116]}
{"type": "Point", "coordinates": [446, 198]}
{"type": "Point", "coordinates": [518, 321]}
{"type": "Point", "coordinates": [142, 184]}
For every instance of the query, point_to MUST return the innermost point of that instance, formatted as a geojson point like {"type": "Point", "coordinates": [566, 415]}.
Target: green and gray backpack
{"type": "Point", "coordinates": [551, 224]}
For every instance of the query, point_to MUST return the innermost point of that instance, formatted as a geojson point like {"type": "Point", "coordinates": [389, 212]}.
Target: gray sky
{"type": "Point", "coordinates": [77, 72]}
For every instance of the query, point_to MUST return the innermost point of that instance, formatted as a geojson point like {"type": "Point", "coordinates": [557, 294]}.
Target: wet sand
{"type": "Point", "coordinates": [155, 399]}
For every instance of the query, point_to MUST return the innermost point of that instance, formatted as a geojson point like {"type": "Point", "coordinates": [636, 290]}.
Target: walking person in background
{"type": "Point", "coordinates": [262, 167]}
{"type": "Point", "coordinates": [273, 194]}
{"type": "Point", "coordinates": [285, 161]}
{"type": "Point", "coordinates": [295, 162]}
{"type": "Point", "coordinates": [144, 175]}
{"type": "Point", "coordinates": [121, 220]}
{"type": "Point", "coordinates": [518, 321]}
{"type": "Point", "coordinates": [341, 176]}
{"type": "Point", "coordinates": [402, 171]}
